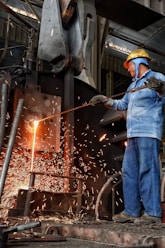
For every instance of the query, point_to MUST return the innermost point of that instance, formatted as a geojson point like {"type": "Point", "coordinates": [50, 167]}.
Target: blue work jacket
{"type": "Point", "coordinates": [145, 109]}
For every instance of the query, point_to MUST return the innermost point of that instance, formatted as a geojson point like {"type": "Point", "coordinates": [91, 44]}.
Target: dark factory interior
{"type": "Point", "coordinates": [60, 156]}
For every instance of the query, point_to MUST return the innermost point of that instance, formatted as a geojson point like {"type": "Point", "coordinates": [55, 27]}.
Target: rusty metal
{"type": "Point", "coordinates": [51, 230]}
{"type": "Point", "coordinates": [67, 10]}
{"type": "Point", "coordinates": [54, 175]}
{"type": "Point", "coordinates": [77, 193]}
{"type": "Point", "coordinates": [10, 145]}
{"type": "Point", "coordinates": [52, 234]}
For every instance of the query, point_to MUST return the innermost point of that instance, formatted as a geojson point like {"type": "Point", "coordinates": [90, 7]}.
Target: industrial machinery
{"type": "Point", "coordinates": [71, 160]}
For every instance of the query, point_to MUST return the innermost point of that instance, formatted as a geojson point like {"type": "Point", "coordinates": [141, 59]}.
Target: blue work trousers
{"type": "Point", "coordinates": [141, 177]}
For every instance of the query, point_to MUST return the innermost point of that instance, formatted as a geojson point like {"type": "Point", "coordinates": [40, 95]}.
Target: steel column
{"type": "Point", "coordinates": [10, 145]}
{"type": "Point", "coordinates": [69, 124]}
{"type": "Point", "coordinates": [3, 114]}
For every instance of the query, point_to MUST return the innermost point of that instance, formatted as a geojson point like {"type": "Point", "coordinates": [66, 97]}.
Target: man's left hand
{"type": "Point", "coordinates": [155, 84]}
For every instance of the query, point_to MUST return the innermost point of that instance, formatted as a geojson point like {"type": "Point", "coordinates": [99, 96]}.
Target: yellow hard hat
{"type": "Point", "coordinates": [139, 53]}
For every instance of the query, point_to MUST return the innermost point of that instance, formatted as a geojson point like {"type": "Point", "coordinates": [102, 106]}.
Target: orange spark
{"type": "Point", "coordinates": [102, 137]}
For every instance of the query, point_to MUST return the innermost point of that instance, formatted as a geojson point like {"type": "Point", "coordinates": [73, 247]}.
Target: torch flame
{"type": "Point", "coordinates": [36, 124]}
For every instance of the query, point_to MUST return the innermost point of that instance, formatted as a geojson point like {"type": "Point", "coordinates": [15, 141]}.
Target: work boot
{"type": "Point", "coordinates": [148, 219]}
{"type": "Point", "coordinates": [122, 218]}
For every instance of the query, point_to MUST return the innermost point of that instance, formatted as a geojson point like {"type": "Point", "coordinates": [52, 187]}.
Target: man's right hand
{"type": "Point", "coordinates": [98, 99]}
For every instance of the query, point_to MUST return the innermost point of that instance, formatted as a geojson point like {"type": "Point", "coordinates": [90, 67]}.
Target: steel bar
{"type": "Point", "coordinates": [3, 114]}
{"type": "Point", "coordinates": [89, 104]}
{"type": "Point", "coordinates": [10, 146]}
{"type": "Point", "coordinates": [66, 111]}
{"type": "Point", "coordinates": [55, 175]}
{"type": "Point", "coordinates": [22, 227]}
{"type": "Point", "coordinates": [131, 91]}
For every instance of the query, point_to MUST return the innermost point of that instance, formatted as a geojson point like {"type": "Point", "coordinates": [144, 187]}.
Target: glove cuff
{"type": "Point", "coordinates": [108, 102]}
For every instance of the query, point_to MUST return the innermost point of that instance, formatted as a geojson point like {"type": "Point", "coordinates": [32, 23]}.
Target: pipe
{"type": "Point", "coordinates": [22, 227]}
{"type": "Point", "coordinates": [10, 146]}
{"type": "Point", "coordinates": [19, 228]}
{"type": "Point", "coordinates": [3, 114]}
{"type": "Point", "coordinates": [104, 187]}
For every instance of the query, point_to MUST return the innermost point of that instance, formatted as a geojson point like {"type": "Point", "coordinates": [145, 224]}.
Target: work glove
{"type": "Point", "coordinates": [155, 84]}
{"type": "Point", "coordinates": [101, 99]}
{"type": "Point", "coordinates": [97, 99]}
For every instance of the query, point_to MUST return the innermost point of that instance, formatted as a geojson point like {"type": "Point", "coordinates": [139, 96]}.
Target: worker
{"type": "Point", "coordinates": [140, 166]}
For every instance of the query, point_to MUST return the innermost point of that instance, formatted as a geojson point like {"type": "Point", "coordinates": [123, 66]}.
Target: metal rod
{"type": "Point", "coordinates": [10, 146]}
{"type": "Point", "coordinates": [3, 114]}
{"type": "Point", "coordinates": [55, 175]}
{"type": "Point", "coordinates": [89, 104]}
{"type": "Point", "coordinates": [66, 111]}
{"type": "Point", "coordinates": [5, 232]}
{"type": "Point", "coordinates": [131, 91]}
{"type": "Point", "coordinates": [22, 227]}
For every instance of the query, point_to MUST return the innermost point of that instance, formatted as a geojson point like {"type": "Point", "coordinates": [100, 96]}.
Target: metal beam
{"type": "Point", "coordinates": [33, 10]}
{"type": "Point", "coordinates": [21, 19]}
